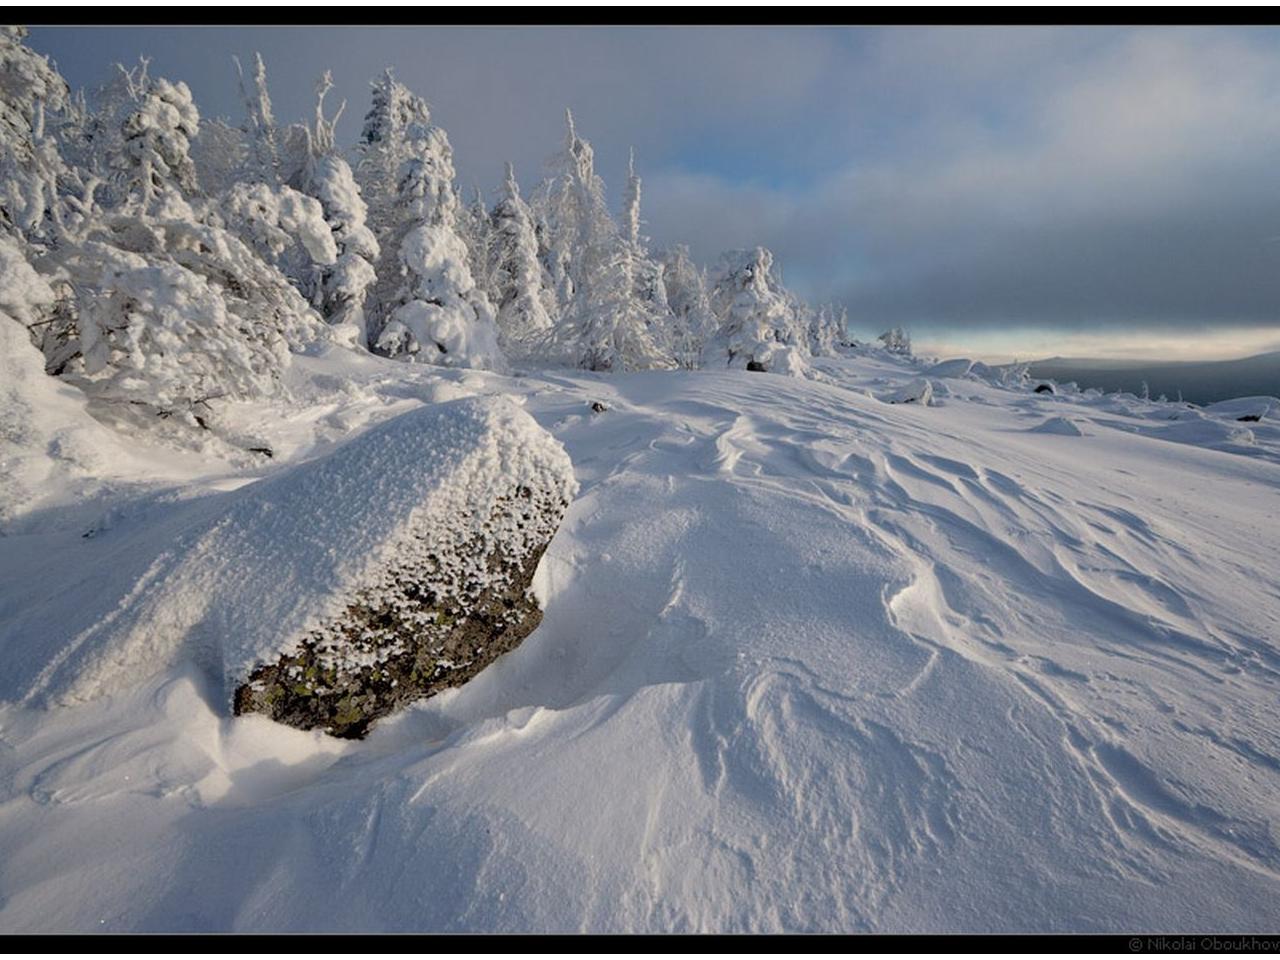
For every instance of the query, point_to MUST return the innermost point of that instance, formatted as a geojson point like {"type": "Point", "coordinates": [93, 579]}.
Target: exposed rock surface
{"type": "Point", "coordinates": [405, 641]}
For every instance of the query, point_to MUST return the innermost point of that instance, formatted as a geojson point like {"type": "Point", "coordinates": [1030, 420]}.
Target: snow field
{"type": "Point", "coordinates": [809, 661]}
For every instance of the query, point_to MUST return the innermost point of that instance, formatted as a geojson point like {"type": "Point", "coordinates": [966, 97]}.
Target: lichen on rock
{"type": "Point", "coordinates": [409, 637]}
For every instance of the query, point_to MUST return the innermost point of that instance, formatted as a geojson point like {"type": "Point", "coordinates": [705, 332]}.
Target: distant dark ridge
{"type": "Point", "coordinates": [1205, 381]}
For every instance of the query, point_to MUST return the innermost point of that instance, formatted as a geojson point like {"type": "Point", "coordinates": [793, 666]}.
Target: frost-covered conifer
{"type": "Point", "coordinates": [263, 155]}
{"type": "Point", "coordinates": [474, 228]}
{"type": "Point", "coordinates": [167, 317]}
{"type": "Point", "coordinates": [284, 227]}
{"type": "Point", "coordinates": [571, 208]}
{"type": "Point", "coordinates": [156, 312]}
{"type": "Point", "coordinates": [146, 143]}
{"type": "Point", "coordinates": [428, 305]}
{"type": "Point", "coordinates": [383, 148]}
{"type": "Point", "coordinates": [826, 329]}
{"type": "Point", "coordinates": [32, 96]}
{"type": "Point", "coordinates": [692, 320]}
{"type": "Point", "coordinates": [646, 272]}
{"type": "Point", "coordinates": [896, 341]}
{"type": "Point", "coordinates": [758, 326]}
{"type": "Point", "coordinates": [517, 274]}
{"type": "Point", "coordinates": [631, 203]}
{"type": "Point", "coordinates": [314, 167]}
{"type": "Point", "coordinates": [603, 324]}
{"type": "Point", "coordinates": [607, 326]}
{"type": "Point", "coordinates": [220, 154]}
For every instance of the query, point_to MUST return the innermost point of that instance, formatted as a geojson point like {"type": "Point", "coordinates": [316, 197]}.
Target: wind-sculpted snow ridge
{"type": "Point", "coordinates": [808, 662]}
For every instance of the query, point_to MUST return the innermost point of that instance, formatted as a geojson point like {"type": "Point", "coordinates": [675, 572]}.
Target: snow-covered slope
{"type": "Point", "coordinates": [809, 661]}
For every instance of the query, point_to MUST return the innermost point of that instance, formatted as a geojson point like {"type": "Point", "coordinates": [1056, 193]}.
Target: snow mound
{"type": "Point", "coordinates": [1061, 426]}
{"type": "Point", "coordinates": [984, 372]}
{"type": "Point", "coordinates": [917, 391]}
{"type": "Point", "coordinates": [960, 367]}
{"type": "Point", "coordinates": [288, 554]}
{"type": "Point", "coordinates": [1246, 408]}
{"type": "Point", "coordinates": [1214, 434]}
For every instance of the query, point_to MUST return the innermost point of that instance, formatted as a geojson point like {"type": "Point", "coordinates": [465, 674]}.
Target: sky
{"type": "Point", "coordinates": [1005, 193]}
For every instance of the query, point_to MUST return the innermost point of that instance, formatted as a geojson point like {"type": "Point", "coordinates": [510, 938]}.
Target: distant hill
{"type": "Point", "coordinates": [1198, 381]}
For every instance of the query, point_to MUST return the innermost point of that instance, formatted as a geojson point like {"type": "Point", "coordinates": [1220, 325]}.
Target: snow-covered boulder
{"type": "Point", "coordinates": [917, 391]}
{"type": "Point", "coordinates": [331, 594]}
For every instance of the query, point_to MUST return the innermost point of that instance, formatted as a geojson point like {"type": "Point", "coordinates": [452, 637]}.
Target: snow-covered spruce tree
{"type": "Point", "coordinates": [283, 225]}
{"type": "Point", "coordinates": [517, 275]}
{"type": "Point", "coordinates": [842, 338]}
{"type": "Point", "coordinates": [758, 327]}
{"type": "Point", "coordinates": [896, 341]}
{"type": "Point", "coordinates": [607, 327]}
{"type": "Point", "coordinates": [602, 323]}
{"type": "Point", "coordinates": [44, 198]}
{"type": "Point", "coordinates": [692, 320]}
{"type": "Point", "coordinates": [159, 314]}
{"type": "Point", "coordinates": [826, 329]}
{"type": "Point", "coordinates": [428, 307]}
{"type": "Point", "coordinates": [263, 160]}
{"type": "Point", "coordinates": [145, 146]}
{"type": "Point", "coordinates": [474, 228]}
{"type": "Point", "coordinates": [313, 166]}
{"type": "Point", "coordinates": [572, 214]}
{"type": "Point", "coordinates": [220, 154]}
{"type": "Point", "coordinates": [646, 272]}
{"type": "Point", "coordinates": [384, 146]}
{"type": "Point", "coordinates": [285, 228]}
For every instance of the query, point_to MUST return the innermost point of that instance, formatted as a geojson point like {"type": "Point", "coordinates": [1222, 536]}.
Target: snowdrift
{"type": "Point", "coordinates": [1246, 409]}
{"type": "Point", "coordinates": [959, 367]}
{"type": "Point", "coordinates": [44, 428]}
{"type": "Point", "coordinates": [856, 666]}
{"type": "Point", "coordinates": [347, 558]}
{"type": "Point", "coordinates": [1061, 426]}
